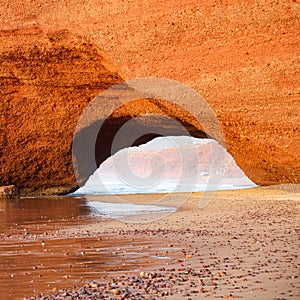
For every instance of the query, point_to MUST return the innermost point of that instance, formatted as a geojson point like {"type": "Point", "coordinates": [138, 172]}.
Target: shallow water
{"type": "Point", "coordinates": [16, 215]}
{"type": "Point", "coordinates": [36, 255]}
{"type": "Point", "coordinates": [109, 187]}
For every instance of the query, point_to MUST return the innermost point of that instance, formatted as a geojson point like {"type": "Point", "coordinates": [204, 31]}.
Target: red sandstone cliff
{"type": "Point", "coordinates": [243, 57]}
{"type": "Point", "coordinates": [46, 81]}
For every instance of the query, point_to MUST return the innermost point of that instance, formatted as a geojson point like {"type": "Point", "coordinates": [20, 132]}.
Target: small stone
{"type": "Point", "coordinates": [115, 291]}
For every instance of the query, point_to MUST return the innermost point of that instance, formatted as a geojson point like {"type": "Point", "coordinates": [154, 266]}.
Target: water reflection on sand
{"type": "Point", "coordinates": [36, 255]}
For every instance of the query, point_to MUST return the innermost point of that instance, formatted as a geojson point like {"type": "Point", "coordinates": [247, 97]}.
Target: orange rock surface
{"type": "Point", "coordinates": [242, 57]}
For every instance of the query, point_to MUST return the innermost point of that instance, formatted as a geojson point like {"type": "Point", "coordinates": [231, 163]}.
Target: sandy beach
{"type": "Point", "coordinates": [244, 244]}
{"type": "Point", "coordinates": [84, 85]}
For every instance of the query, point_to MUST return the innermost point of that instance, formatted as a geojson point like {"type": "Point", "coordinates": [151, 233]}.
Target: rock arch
{"type": "Point", "coordinates": [46, 82]}
{"type": "Point", "coordinates": [145, 119]}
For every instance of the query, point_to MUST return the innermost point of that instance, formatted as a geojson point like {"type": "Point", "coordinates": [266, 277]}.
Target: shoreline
{"type": "Point", "coordinates": [242, 245]}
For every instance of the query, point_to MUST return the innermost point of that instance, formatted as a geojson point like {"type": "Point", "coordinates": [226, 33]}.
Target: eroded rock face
{"type": "Point", "coordinates": [46, 82]}
{"type": "Point", "coordinates": [9, 192]}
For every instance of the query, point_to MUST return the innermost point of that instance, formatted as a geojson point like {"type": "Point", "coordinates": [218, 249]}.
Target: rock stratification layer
{"type": "Point", "coordinates": [46, 82]}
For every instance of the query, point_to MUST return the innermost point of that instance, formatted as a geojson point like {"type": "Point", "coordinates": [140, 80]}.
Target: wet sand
{"type": "Point", "coordinates": [43, 248]}
{"type": "Point", "coordinates": [244, 244]}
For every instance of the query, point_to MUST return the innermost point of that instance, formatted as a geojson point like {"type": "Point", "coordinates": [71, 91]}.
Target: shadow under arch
{"type": "Point", "coordinates": [142, 106]}
{"type": "Point", "coordinates": [143, 126]}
